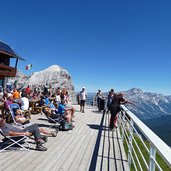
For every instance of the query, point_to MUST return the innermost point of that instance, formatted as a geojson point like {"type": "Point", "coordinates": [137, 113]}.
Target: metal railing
{"type": "Point", "coordinates": [141, 155]}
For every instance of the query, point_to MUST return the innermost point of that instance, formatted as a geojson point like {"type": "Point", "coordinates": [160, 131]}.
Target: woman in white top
{"type": "Point", "coordinates": [24, 102]}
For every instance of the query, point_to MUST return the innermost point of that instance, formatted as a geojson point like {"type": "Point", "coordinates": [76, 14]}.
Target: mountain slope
{"type": "Point", "coordinates": [54, 75]}
{"type": "Point", "coordinates": [148, 105]}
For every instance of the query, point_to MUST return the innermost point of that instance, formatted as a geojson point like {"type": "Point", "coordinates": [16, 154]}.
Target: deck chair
{"type": "Point", "coordinates": [13, 142]}
{"type": "Point", "coordinates": [56, 122]}
{"type": "Point", "coordinates": [60, 122]}
{"type": "Point", "coordinates": [11, 108]}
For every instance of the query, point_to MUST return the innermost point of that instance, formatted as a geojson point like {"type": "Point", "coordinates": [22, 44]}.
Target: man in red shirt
{"type": "Point", "coordinates": [27, 90]}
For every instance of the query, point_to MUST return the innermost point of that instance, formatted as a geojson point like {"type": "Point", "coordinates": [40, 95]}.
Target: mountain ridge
{"type": "Point", "coordinates": [54, 76]}
{"type": "Point", "coordinates": [148, 105]}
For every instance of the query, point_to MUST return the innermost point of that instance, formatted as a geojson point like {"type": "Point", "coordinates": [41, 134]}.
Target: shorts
{"type": "Point", "coordinates": [82, 103]}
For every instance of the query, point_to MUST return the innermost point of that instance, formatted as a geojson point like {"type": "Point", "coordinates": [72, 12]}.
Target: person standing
{"type": "Point", "coordinates": [98, 98]}
{"type": "Point", "coordinates": [117, 100]}
{"type": "Point", "coordinates": [109, 98]}
{"type": "Point", "coordinates": [82, 97]}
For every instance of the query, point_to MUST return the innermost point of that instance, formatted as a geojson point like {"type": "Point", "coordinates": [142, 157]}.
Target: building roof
{"type": "Point", "coordinates": [7, 50]}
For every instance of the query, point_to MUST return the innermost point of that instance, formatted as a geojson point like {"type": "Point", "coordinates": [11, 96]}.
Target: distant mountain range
{"type": "Point", "coordinates": [152, 108]}
{"type": "Point", "coordinates": [148, 105]}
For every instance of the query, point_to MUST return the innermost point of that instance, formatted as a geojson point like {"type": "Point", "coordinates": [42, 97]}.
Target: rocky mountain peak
{"type": "Point", "coordinates": [54, 75]}
{"type": "Point", "coordinates": [135, 90]}
{"type": "Point", "coordinates": [53, 68]}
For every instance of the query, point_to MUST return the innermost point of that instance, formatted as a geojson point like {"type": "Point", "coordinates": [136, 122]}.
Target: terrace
{"type": "Point", "coordinates": [89, 146]}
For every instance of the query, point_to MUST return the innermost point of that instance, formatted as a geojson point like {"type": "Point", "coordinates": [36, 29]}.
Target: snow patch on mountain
{"type": "Point", "coordinates": [148, 105]}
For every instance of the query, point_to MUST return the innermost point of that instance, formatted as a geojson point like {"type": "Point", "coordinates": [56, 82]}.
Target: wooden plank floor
{"type": "Point", "coordinates": [91, 146]}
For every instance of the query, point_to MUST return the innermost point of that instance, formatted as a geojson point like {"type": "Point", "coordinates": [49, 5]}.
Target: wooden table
{"type": "Point", "coordinates": [32, 103]}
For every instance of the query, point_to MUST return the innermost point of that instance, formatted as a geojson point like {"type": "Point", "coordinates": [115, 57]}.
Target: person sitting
{"type": "Point", "coordinates": [10, 130]}
{"type": "Point", "coordinates": [4, 97]}
{"type": "Point", "coordinates": [42, 101]}
{"type": "Point", "coordinates": [19, 118]}
{"type": "Point", "coordinates": [27, 90]}
{"type": "Point", "coordinates": [9, 100]}
{"type": "Point", "coordinates": [58, 98]}
{"type": "Point", "coordinates": [48, 103]}
{"type": "Point", "coordinates": [52, 107]}
{"type": "Point", "coordinates": [50, 112]}
{"type": "Point", "coordinates": [24, 101]}
{"type": "Point", "coordinates": [16, 94]}
{"type": "Point", "coordinates": [62, 110]}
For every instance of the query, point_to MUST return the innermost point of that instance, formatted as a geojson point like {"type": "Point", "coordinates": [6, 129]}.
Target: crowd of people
{"type": "Point", "coordinates": [59, 106]}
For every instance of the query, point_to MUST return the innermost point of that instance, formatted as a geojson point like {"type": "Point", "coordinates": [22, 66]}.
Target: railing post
{"type": "Point", "coordinates": [152, 155]}
{"type": "Point", "coordinates": [94, 99]}
{"type": "Point", "coordinates": [123, 124]}
{"type": "Point", "coordinates": [130, 143]}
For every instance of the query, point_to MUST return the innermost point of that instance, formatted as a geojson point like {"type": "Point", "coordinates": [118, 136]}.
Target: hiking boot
{"type": "Point", "coordinates": [44, 138]}
{"type": "Point", "coordinates": [40, 147]}
{"type": "Point", "coordinates": [54, 133]}
{"type": "Point", "coordinates": [42, 141]}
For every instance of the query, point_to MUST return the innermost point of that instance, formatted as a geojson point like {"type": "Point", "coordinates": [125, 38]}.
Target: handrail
{"type": "Point", "coordinates": [156, 144]}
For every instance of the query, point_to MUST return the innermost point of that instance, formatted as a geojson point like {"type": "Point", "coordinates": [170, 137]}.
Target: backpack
{"type": "Point", "coordinates": [65, 126]}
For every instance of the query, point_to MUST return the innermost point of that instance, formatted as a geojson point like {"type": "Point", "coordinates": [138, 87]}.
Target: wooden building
{"type": "Point", "coordinates": [6, 54]}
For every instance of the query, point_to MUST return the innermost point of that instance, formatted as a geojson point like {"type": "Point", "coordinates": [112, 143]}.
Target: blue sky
{"type": "Point", "coordinates": [103, 44]}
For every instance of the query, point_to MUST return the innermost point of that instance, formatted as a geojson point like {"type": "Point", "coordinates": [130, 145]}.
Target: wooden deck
{"type": "Point", "coordinates": [91, 146]}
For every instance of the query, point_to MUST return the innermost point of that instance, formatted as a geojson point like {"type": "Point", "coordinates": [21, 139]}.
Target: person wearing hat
{"type": "Point", "coordinates": [82, 97]}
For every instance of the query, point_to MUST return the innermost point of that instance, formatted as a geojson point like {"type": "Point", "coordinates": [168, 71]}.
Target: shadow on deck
{"type": "Point", "coordinates": [105, 148]}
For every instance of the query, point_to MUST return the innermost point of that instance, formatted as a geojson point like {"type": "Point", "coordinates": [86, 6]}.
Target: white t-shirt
{"type": "Point", "coordinates": [58, 99]}
{"type": "Point", "coordinates": [24, 103]}
{"type": "Point", "coordinates": [83, 95]}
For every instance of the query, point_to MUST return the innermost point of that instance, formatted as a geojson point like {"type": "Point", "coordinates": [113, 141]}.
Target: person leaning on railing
{"type": "Point", "coordinates": [118, 99]}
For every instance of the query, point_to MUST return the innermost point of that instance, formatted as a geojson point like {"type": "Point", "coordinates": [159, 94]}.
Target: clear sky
{"type": "Point", "coordinates": [103, 44]}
